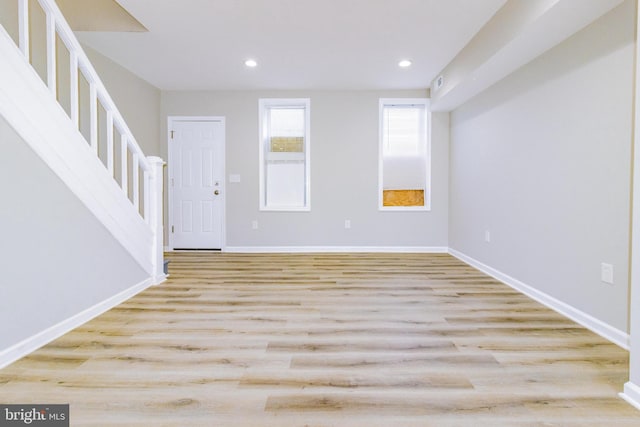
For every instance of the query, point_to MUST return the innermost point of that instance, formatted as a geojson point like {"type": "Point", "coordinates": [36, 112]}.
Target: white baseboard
{"type": "Point", "coordinates": [337, 249]}
{"type": "Point", "coordinates": [631, 394]}
{"type": "Point", "coordinates": [38, 340]}
{"type": "Point", "coordinates": [606, 331]}
{"type": "Point", "coordinates": [160, 279]}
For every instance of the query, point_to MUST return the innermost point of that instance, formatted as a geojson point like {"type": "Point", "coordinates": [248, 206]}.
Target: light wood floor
{"type": "Point", "coordinates": [327, 340]}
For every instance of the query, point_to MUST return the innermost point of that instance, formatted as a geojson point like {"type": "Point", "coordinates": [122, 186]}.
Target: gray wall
{"type": "Point", "coordinates": [56, 259]}
{"type": "Point", "coordinates": [542, 160]}
{"type": "Point", "coordinates": [344, 172]}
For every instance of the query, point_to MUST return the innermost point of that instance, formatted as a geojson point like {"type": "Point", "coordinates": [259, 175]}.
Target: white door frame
{"type": "Point", "coordinates": [170, 121]}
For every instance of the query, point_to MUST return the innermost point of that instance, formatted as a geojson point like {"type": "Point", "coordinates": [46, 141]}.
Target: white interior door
{"type": "Point", "coordinates": [196, 181]}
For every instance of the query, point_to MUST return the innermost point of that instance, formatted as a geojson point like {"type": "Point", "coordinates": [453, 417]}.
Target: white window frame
{"type": "Point", "coordinates": [263, 104]}
{"type": "Point", "coordinates": [425, 102]}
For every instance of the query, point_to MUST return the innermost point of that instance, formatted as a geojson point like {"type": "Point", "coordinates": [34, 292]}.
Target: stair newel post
{"type": "Point", "coordinates": [155, 191]}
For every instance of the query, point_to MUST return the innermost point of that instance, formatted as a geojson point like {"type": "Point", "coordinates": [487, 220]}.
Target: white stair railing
{"type": "Point", "coordinates": [79, 64]}
{"type": "Point", "coordinates": [138, 176]}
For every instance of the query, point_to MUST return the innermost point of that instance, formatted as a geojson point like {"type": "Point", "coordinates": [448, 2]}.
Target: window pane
{"type": "Point", "coordinates": [286, 127]}
{"type": "Point", "coordinates": [403, 130]}
{"type": "Point", "coordinates": [287, 121]}
{"type": "Point", "coordinates": [284, 168]}
{"type": "Point", "coordinates": [404, 158]}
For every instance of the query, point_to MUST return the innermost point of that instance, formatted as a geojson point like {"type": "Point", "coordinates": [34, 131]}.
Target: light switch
{"type": "Point", "coordinates": [234, 178]}
{"type": "Point", "coordinates": [606, 273]}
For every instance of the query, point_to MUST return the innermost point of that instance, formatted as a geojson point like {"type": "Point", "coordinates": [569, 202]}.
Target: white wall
{"type": "Point", "coordinates": [344, 172]}
{"type": "Point", "coordinates": [542, 160]}
{"type": "Point", "coordinates": [56, 259]}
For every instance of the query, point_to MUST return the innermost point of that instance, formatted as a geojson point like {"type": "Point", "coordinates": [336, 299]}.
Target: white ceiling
{"type": "Point", "coordinates": [299, 44]}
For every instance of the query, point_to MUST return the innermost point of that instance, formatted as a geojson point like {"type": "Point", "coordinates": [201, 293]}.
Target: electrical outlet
{"type": "Point", "coordinates": [347, 223]}
{"type": "Point", "coordinates": [487, 236]}
{"type": "Point", "coordinates": [606, 273]}
{"type": "Point", "coordinates": [254, 224]}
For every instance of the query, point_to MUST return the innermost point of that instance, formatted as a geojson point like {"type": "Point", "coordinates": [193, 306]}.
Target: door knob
{"type": "Point", "coordinates": [216, 192]}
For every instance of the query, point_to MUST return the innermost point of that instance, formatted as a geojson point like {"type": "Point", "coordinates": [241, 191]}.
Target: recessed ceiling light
{"type": "Point", "coordinates": [250, 63]}
{"type": "Point", "coordinates": [404, 63]}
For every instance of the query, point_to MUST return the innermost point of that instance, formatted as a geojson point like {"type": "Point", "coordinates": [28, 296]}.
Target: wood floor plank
{"type": "Point", "coordinates": [327, 340]}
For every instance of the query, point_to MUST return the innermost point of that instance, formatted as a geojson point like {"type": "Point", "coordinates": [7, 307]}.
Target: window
{"type": "Point", "coordinates": [404, 155]}
{"type": "Point", "coordinates": [284, 154]}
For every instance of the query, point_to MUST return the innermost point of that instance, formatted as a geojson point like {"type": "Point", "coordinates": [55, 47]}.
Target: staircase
{"type": "Point", "coordinates": [53, 100]}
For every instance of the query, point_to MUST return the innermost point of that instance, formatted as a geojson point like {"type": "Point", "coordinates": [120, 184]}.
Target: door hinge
{"type": "Point", "coordinates": [172, 229]}
{"type": "Point", "coordinates": [172, 131]}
